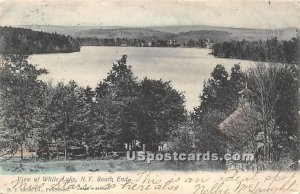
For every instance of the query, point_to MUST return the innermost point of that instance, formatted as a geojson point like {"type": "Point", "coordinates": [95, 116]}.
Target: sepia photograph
{"type": "Point", "coordinates": [149, 96]}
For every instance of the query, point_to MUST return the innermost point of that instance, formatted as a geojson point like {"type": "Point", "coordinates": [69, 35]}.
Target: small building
{"type": "Point", "coordinates": [165, 146]}
{"type": "Point", "coordinates": [243, 127]}
{"type": "Point", "coordinates": [245, 104]}
{"type": "Point", "coordinates": [209, 44]}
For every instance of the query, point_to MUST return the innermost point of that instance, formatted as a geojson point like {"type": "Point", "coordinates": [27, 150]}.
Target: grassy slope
{"type": "Point", "coordinates": [110, 165]}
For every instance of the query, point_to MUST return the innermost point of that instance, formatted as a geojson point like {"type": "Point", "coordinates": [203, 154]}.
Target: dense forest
{"type": "Point", "coordinates": [124, 111]}
{"type": "Point", "coordinates": [25, 41]}
{"type": "Point", "coordinates": [272, 50]}
{"type": "Point", "coordinates": [94, 41]}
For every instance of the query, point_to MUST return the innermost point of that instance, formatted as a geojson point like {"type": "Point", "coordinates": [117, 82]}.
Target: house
{"type": "Point", "coordinates": [209, 44]}
{"type": "Point", "coordinates": [164, 146]}
{"type": "Point", "coordinates": [243, 127]}
{"type": "Point", "coordinates": [245, 104]}
{"type": "Point", "coordinates": [244, 131]}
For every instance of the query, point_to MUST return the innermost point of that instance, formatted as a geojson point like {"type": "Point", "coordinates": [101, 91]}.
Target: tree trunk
{"type": "Point", "coordinates": [21, 151]}
{"type": "Point", "coordinates": [265, 145]}
{"type": "Point", "coordinates": [144, 147]}
{"type": "Point", "coordinates": [65, 154]}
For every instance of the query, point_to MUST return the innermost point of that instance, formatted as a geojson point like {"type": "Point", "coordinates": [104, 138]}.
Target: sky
{"type": "Point", "coordinates": [141, 13]}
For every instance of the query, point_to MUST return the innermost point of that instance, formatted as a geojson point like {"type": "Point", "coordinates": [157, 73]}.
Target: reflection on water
{"type": "Point", "coordinates": [187, 68]}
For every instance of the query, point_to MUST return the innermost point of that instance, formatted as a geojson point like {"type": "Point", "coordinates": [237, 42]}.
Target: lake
{"type": "Point", "coordinates": [186, 68]}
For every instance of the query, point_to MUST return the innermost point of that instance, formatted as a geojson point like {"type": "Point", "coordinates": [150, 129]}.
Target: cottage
{"type": "Point", "coordinates": [243, 126]}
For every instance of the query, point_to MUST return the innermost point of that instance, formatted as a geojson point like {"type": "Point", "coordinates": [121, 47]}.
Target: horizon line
{"type": "Point", "coordinates": [155, 26]}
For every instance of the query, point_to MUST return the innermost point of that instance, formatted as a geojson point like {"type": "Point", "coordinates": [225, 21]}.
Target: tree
{"type": "Point", "coordinates": [8, 146]}
{"type": "Point", "coordinates": [21, 97]}
{"type": "Point", "coordinates": [160, 112]}
{"type": "Point", "coordinates": [218, 101]}
{"type": "Point", "coordinates": [216, 94]}
{"type": "Point", "coordinates": [286, 112]}
{"type": "Point", "coordinates": [67, 117]}
{"type": "Point", "coordinates": [208, 137]}
{"type": "Point", "coordinates": [88, 118]}
{"type": "Point", "coordinates": [116, 99]}
{"type": "Point", "coordinates": [277, 94]}
{"type": "Point", "coordinates": [273, 50]}
{"type": "Point", "coordinates": [24, 41]}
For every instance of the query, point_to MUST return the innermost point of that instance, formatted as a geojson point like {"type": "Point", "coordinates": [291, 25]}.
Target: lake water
{"type": "Point", "coordinates": [187, 68]}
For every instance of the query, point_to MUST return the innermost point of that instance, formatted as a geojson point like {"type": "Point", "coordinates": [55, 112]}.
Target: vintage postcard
{"type": "Point", "coordinates": [149, 96]}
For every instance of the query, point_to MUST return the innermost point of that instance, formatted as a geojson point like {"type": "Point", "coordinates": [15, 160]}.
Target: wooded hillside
{"type": "Point", "coordinates": [25, 41]}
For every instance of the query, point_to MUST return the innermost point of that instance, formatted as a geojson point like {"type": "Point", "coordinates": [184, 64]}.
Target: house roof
{"type": "Point", "coordinates": [246, 92]}
{"type": "Point", "coordinates": [241, 119]}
